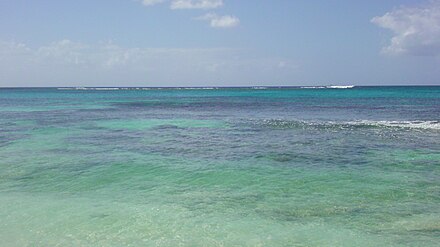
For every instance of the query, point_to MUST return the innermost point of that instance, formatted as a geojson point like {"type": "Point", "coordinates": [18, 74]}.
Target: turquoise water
{"type": "Point", "coordinates": [220, 167]}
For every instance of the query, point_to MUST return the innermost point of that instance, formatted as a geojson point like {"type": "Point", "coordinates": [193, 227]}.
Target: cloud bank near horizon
{"type": "Point", "coordinates": [107, 64]}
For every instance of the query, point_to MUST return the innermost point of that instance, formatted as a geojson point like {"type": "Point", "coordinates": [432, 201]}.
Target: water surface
{"type": "Point", "coordinates": [220, 167]}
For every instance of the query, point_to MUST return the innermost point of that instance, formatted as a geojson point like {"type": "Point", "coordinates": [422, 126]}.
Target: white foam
{"type": "Point", "coordinates": [313, 87]}
{"type": "Point", "coordinates": [422, 125]}
{"type": "Point", "coordinates": [432, 125]}
{"type": "Point", "coordinates": [106, 88]}
{"type": "Point", "coordinates": [341, 86]}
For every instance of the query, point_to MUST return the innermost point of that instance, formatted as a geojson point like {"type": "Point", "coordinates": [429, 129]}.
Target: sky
{"type": "Point", "coordinates": [219, 42]}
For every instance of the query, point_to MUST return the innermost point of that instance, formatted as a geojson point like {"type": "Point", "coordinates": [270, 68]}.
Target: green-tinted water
{"type": "Point", "coordinates": [226, 167]}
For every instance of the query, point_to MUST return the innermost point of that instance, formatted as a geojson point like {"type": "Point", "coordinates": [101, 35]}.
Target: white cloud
{"type": "Point", "coordinates": [216, 21]}
{"type": "Point", "coordinates": [152, 2]}
{"type": "Point", "coordinates": [416, 29]}
{"type": "Point", "coordinates": [225, 21]}
{"type": "Point", "coordinates": [196, 4]}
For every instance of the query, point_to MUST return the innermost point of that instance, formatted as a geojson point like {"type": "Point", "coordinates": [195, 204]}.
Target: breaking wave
{"type": "Point", "coordinates": [329, 87]}
{"type": "Point", "coordinates": [280, 123]}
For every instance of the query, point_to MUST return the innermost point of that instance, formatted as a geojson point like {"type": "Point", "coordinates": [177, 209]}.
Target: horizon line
{"type": "Point", "coordinates": [215, 87]}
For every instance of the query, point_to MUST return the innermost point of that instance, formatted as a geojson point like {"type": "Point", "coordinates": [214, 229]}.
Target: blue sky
{"type": "Point", "coordinates": [219, 42]}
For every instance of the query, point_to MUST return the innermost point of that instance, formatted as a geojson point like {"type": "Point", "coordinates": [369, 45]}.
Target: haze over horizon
{"type": "Point", "coordinates": [182, 43]}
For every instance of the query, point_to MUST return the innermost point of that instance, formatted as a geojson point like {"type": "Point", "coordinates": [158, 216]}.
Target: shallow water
{"type": "Point", "coordinates": [221, 167]}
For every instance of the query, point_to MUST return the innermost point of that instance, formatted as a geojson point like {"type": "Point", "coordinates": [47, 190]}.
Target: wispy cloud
{"type": "Point", "coordinates": [196, 4]}
{"type": "Point", "coordinates": [416, 30]}
{"type": "Point", "coordinates": [216, 21]}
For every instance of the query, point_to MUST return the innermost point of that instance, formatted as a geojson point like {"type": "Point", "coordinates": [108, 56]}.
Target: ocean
{"type": "Point", "coordinates": [220, 166]}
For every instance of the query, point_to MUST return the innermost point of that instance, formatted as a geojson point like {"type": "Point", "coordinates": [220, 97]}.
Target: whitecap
{"type": "Point", "coordinates": [433, 125]}
{"type": "Point", "coordinates": [340, 86]}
